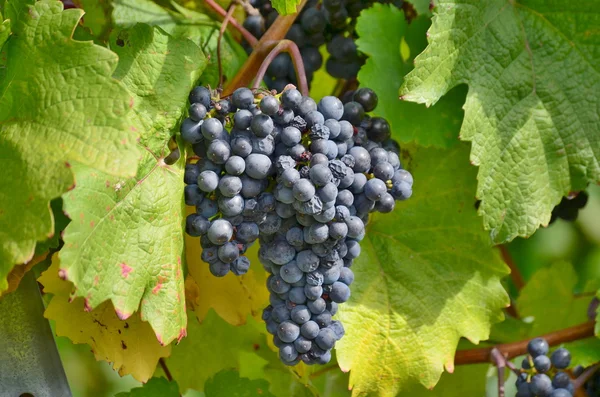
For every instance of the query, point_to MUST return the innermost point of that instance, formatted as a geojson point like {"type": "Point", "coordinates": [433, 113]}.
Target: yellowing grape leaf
{"type": "Point", "coordinates": [531, 112]}
{"type": "Point", "coordinates": [233, 297]}
{"type": "Point", "coordinates": [125, 243]}
{"type": "Point", "coordinates": [426, 277]}
{"type": "Point", "coordinates": [285, 7]}
{"type": "Point", "coordinates": [129, 345]}
{"type": "Point", "coordinates": [59, 105]}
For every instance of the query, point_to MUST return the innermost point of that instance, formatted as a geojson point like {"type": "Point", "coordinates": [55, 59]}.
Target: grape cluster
{"type": "Point", "coordinates": [569, 207]}
{"type": "Point", "coordinates": [331, 22]}
{"type": "Point", "coordinates": [302, 178]}
{"type": "Point", "coordinates": [543, 376]}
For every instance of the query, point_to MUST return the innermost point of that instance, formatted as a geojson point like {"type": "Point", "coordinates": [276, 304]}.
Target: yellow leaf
{"type": "Point", "coordinates": [232, 297]}
{"type": "Point", "coordinates": [130, 345]}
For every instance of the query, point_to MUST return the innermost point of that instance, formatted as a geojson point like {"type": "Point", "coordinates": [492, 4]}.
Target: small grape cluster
{"type": "Point", "coordinates": [569, 207]}
{"type": "Point", "coordinates": [331, 22]}
{"type": "Point", "coordinates": [302, 178]}
{"type": "Point", "coordinates": [543, 376]}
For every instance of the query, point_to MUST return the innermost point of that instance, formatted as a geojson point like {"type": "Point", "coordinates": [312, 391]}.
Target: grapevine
{"type": "Point", "coordinates": [216, 197]}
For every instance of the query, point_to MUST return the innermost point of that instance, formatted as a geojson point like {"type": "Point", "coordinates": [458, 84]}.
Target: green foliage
{"type": "Point", "coordinates": [584, 352]}
{"type": "Point", "coordinates": [212, 346]}
{"type": "Point", "coordinates": [50, 120]}
{"type": "Point", "coordinates": [532, 109]}
{"type": "Point", "coordinates": [427, 275]}
{"type": "Point", "coordinates": [196, 27]}
{"type": "Point", "coordinates": [391, 59]}
{"type": "Point", "coordinates": [120, 219]}
{"type": "Point", "coordinates": [156, 387]}
{"type": "Point", "coordinates": [548, 299]}
{"type": "Point", "coordinates": [229, 383]}
{"type": "Point", "coordinates": [285, 7]}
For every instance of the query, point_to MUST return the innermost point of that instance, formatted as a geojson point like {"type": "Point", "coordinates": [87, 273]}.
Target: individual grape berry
{"type": "Point", "coordinates": [200, 95]}
{"type": "Point", "coordinates": [220, 231]}
{"type": "Point", "coordinates": [242, 98]}
{"type": "Point", "coordinates": [542, 363]}
{"type": "Point", "coordinates": [561, 358]}
{"type": "Point", "coordinates": [537, 347]}
{"type": "Point", "coordinates": [367, 98]}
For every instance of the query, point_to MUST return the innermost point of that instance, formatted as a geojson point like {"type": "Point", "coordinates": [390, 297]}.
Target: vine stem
{"type": "Point", "coordinates": [220, 38]}
{"type": "Point", "coordinates": [515, 274]}
{"type": "Point", "coordinates": [267, 42]}
{"type": "Point", "coordinates": [511, 350]}
{"type": "Point", "coordinates": [249, 37]}
{"type": "Point", "coordinates": [165, 369]}
{"type": "Point", "coordinates": [585, 376]}
{"type": "Point", "coordinates": [291, 48]}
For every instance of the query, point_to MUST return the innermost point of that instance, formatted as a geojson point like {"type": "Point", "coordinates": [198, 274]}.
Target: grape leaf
{"type": "Point", "coordinates": [199, 28]}
{"type": "Point", "coordinates": [285, 7]}
{"type": "Point", "coordinates": [125, 242]}
{"type": "Point", "coordinates": [4, 31]}
{"type": "Point", "coordinates": [532, 108]}
{"type": "Point", "coordinates": [229, 383]}
{"type": "Point", "coordinates": [97, 17]}
{"type": "Point", "coordinates": [384, 72]}
{"type": "Point", "coordinates": [426, 276]}
{"type": "Point", "coordinates": [548, 298]}
{"type": "Point", "coordinates": [212, 346]}
{"type": "Point", "coordinates": [59, 105]}
{"type": "Point", "coordinates": [421, 6]}
{"type": "Point", "coordinates": [130, 345]}
{"type": "Point", "coordinates": [584, 352]}
{"type": "Point", "coordinates": [467, 380]}
{"type": "Point", "coordinates": [156, 387]}
{"type": "Point", "coordinates": [233, 297]}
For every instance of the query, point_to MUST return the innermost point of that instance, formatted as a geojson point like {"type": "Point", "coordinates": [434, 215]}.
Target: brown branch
{"type": "Point", "coordinates": [291, 48]}
{"type": "Point", "coordinates": [219, 39]}
{"type": "Point", "coordinates": [511, 350]}
{"type": "Point", "coordinates": [249, 37]}
{"type": "Point", "coordinates": [267, 42]}
{"type": "Point", "coordinates": [515, 274]}
{"type": "Point", "coordinates": [165, 369]}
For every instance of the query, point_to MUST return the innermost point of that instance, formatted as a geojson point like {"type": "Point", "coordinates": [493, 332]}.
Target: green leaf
{"type": "Point", "coordinates": [422, 6]}
{"type": "Point", "coordinates": [467, 380]}
{"type": "Point", "coordinates": [212, 346]}
{"type": "Point", "coordinates": [59, 106]}
{"type": "Point", "coordinates": [199, 28]}
{"type": "Point", "coordinates": [384, 72]}
{"type": "Point", "coordinates": [156, 387]}
{"type": "Point", "coordinates": [229, 383]}
{"type": "Point", "coordinates": [4, 31]}
{"type": "Point", "coordinates": [548, 298]}
{"type": "Point", "coordinates": [60, 223]}
{"type": "Point", "coordinates": [97, 19]}
{"type": "Point", "coordinates": [125, 242]}
{"type": "Point", "coordinates": [584, 352]}
{"type": "Point", "coordinates": [532, 108]}
{"type": "Point", "coordinates": [285, 7]}
{"type": "Point", "coordinates": [426, 277]}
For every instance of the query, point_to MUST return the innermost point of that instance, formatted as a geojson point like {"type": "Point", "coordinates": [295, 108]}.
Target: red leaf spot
{"type": "Point", "coordinates": [160, 339]}
{"type": "Point", "coordinates": [131, 102]}
{"type": "Point", "coordinates": [92, 224]}
{"type": "Point", "coordinates": [96, 280]}
{"type": "Point", "coordinates": [68, 164]}
{"type": "Point", "coordinates": [62, 273]}
{"type": "Point", "coordinates": [125, 270]}
{"type": "Point", "coordinates": [107, 208]}
{"type": "Point", "coordinates": [157, 288]}
{"type": "Point", "coordinates": [86, 304]}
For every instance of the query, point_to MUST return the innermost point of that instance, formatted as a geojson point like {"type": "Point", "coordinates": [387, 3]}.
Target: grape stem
{"type": "Point", "coordinates": [291, 48]}
{"type": "Point", "coordinates": [163, 365]}
{"type": "Point", "coordinates": [245, 34]}
{"type": "Point", "coordinates": [267, 42]}
{"type": "Point", "coordinates": [585, 376]}
{"type": "Point", "coordinates": [515, 274]}
{"type": "Point", "coordinates": [500, 362]}
{"type": "Point", "coordinates": [511, 350]}
{"type": "Point", "coordinates": [220, 38]}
